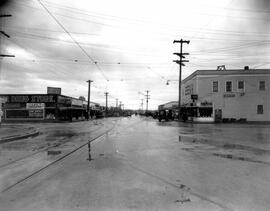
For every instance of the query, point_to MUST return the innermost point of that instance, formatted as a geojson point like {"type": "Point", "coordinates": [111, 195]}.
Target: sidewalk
{"type": "Point", "coordinates": [11, 132]}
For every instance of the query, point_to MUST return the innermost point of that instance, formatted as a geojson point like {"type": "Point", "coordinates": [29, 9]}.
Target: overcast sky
{"type": "Point", "coordinates": [125, 46]}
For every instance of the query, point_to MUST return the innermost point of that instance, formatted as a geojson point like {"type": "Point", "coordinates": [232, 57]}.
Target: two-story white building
{"type": "Point", "coordinates": [228, 95]}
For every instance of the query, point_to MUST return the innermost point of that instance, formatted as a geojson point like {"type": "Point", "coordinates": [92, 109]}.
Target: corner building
{"type": "Point", "coordinates": [229, 95]}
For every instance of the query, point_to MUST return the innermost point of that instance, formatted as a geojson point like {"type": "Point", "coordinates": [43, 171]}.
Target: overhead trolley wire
{"type": "Point", "coordinates": [78, 44]}
{"type": "Point", "coordinates": [138, 21]}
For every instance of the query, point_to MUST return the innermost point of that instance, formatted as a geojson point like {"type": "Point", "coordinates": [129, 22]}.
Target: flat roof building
{"type": "Point", "coordinates": [229, 95]}
{"type": "Point", "coordinates": [33, 107]}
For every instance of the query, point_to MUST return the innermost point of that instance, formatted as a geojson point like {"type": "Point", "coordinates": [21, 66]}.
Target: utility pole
{"type": "Point", "coordinates": [88, 102]}
{"type": "Point", "coordinates": [181, 63]}
{"type": "Point", "coordinates": [147, 98]}
{"type": "Point", "coordinates": [3, 55]}
{"type": "Point", "coordinates": [116, 105]}
{"type": "Point", "coordinates": [106, 112]}
{"type": "Point", "coordinates": [5, 34]}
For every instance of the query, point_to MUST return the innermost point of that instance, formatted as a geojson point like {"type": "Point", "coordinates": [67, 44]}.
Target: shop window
{"type": "Point", "coordinates": [228, 86]}
{"type": "Point", "coordinates": [259, 109]}
{"type": "Point", "coordinates": [262, 85]}
{"type": "Point", "coordinates": [215, 86]}
{"type": "Point", "coordinates": [241, 85]}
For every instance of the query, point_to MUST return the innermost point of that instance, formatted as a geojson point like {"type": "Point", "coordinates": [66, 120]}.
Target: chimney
{"type": "Point", "coordinates": [221, 67]}
{"type": "Point", "coordinates": [246, 68]}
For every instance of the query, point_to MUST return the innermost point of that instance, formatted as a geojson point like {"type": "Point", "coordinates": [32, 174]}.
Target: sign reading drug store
{"type": "Point", "coordinates": [32, 99]}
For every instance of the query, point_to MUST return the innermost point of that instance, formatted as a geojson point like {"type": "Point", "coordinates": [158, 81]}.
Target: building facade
{"type": "Point", "coordinates": [229, 94]}
{"type": "Point", "coordinates": [33, 107]}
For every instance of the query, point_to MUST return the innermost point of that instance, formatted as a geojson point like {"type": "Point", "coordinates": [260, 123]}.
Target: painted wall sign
{"type": "Point", "coordinates": [32, 98]}
{"type": "Point", "coordinates": [24, 114]}
{"type": "Point", "coordinates": [76, 102]}
{"type": "Point", "coordinates": [64, 100]}
{"type": "Point", "coordinates": [229, 95]}
{"type": "Point", "coordinates": [194, 97]}
{"type": "Point", "coordinates": [35, 105]}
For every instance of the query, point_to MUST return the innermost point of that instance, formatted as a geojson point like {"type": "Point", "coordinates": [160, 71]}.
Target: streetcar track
{"type": "Point", "coordinates": [54, 162]}
{"type": "Point", "coordinates": [40, 151]}
{"type": "Point", "coordinates": [64, 156]}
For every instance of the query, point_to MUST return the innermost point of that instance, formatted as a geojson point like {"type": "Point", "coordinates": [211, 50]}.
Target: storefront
{"type": "Point", "coordinates": [199, 111]}
{"type": "Point", "coordinates": [33, 107]}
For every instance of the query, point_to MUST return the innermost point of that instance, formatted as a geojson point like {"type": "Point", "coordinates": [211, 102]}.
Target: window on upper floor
{"type": "Point", "coordinates": [259, 109]}
{"type": "Point", "coordinates": [228, 87]}
{"type": "Point", "coordinates": [262, 85]}
{"type": "Point", "coordinates": [241, 85]}
{"type": "Point", "coordinates": [215, 86]}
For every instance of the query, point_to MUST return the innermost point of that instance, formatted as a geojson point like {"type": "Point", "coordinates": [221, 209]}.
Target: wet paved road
{"type": "Point", "coordinates": [142, 165]}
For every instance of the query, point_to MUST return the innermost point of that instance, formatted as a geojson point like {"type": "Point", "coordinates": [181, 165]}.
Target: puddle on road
{"type": "Point", "coordinates": [241, 158]}
{"type": "Point", "coordinates": [226, 150]}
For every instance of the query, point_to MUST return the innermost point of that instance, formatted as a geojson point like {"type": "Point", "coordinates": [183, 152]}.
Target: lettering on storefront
{"type": "Point", "coordinates": [42, 99]}
{"type": "Point", "coordinates": [36, 113]}
{"type": "Point", "coordinates": [76, 102]}
{"type": "Point", "coordinates": [64, 100]}
{"type": "Point", "coordinates": [229, 95]}
{"type": "Point", "coordinates": [35, 105]}
{"type": "Point", "coordinates": [189, 89]}
{"type": "Point", "coordinates": [19, 99]}
{"type": "Point", "coordinates": [32, 99]}
{"type": "Point", "coordinates": [24, 114]}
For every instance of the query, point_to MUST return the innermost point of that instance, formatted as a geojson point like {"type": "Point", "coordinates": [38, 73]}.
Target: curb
{"type": "Point", "coordinates": [17, 137]}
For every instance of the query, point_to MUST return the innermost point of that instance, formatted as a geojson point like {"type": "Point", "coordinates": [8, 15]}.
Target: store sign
{"type": "Point", "coordinates": [36, 113]}
{"type": "Point", "coordinates": [24, 114]}
{"type": "Point", "coordinates": [35, 105]}
{"type": "Point", "coordinates": [32, 99]}
{"type": "Point", "coordinates": [12, 105]}
{"type": "Point", "coordinates": [170, 105]}
{"type": "Point", "coordinates": [229, 95]}
{"type": "Point", "coordinates": [76, 102]}
{"type": "Point", "coordinates": [64, 100]}
{"type": "Point", "coordinates": [54, 90]}
{"type": "Point", "coordinates": [194, 97]}
{"type": "Point", "coordinates": [187, 90]}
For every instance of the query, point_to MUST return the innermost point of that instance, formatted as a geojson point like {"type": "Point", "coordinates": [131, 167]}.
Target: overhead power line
{"type": "Point", "coordinates": [78, 44]}
{"type": "Point", "coordinates": [110, 17]}
{"type": "Point", "coordinates": [138, 21]}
